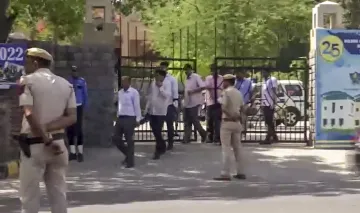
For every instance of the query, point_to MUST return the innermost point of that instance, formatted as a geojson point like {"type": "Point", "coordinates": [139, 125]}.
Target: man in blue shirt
{"type": "Point", "coordinates": [129, 115]}
{"type": "Point", "coordinates": [171, 114]}
{"type": "Point", "coordinates": [244, 85]}
{"type": "Point", "coordinates": [76, 130]}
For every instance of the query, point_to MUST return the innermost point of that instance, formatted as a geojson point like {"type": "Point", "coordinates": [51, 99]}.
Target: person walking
{"type": "Point", "coordinates": [171, 115]}
{"type": "Point", "coordinates": [49, 106]}
{"type": "Point", "coordinates": [268, 104]}
{"type": "Point", "coordinates": [129, 115]}
{"type": "Point", "coordinates": [230, 132]}
{"type": "Point", "coordinates": [213, 108]}
{"type": "Point", "coordinates": [192, 101]}
{"type": "Point", "coordinates": [76, 130]}
{"type": "Point", "coordinates": [244, 85]}
{"type": "Point", "coordinates": [158, 100]}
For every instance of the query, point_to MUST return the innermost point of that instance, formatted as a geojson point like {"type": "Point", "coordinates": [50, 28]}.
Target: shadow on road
{"type": "Point", "coordinates": [186, 173]}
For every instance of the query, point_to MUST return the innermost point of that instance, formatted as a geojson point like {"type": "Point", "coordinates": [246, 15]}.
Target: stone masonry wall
{"type": "Point", "coordinates": [96, 64]}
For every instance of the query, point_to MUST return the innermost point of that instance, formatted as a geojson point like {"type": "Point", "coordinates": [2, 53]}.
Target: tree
{"type": "Point", "coordinates": [6, 20]}
{"type": "Point", "coordinates": [229, 28]}
{"type": "Point", "coordinates": [352, 15]}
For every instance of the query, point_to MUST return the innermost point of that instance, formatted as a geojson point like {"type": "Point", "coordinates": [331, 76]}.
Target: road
{"type": "Point", "coordinates": [279, 180]}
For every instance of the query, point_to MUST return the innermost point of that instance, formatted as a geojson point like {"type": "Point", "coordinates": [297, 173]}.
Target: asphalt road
{"type": "Point", "coordinates": [279, 180]}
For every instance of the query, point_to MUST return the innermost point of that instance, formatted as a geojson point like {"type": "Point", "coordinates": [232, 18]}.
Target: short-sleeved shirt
{"type": "Point", "coordinates": [193, 82]}
{"type": "Point", "coordinates": [210, 93]}
{"type": "Point", "coordinates": [245, 88]}
{"type": "Point", "coordinates": [231, 100]}
{"type": "Point", "coordinates": [267, 94]}
{"type": "Point", "coordinates": [49, 95]}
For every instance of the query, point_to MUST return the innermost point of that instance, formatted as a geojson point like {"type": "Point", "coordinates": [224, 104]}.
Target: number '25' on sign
{"type": "Point", "coordinates": [12, 53]}
{"type": "Point", "coordinates": [331, 48]}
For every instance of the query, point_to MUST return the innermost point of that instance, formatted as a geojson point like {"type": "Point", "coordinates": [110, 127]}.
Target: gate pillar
{"type": "Point", "coordinates": [99, 27]}
{"type": "Point", "coordinates": [334, 78]}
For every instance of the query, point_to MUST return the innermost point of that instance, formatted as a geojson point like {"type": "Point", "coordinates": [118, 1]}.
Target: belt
{"type": "Point", "coordinates": [38, 140]}
{"type": "Point", "coordinates": [230, 120]}
{"type": "Point", "coordinates": [126, 116]}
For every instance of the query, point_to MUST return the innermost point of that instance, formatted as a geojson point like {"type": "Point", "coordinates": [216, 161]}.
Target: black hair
{"type": "Point", "coordinates": [160, 72]}
{"type": "Point", "coordinates": [187, 66]}
{"type": "Point", "coordinates": [230, 81]}
{"type": "Point", "coordinates": [164, 63]}
{"type": "Point", "coordinates": [42, 62]}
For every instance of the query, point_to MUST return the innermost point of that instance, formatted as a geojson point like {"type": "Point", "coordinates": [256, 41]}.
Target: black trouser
{"type": "Point", "coordinates": [170, 118]}
{"type": "Point", "coordinates": [213, 122]}
{"type": "Point", "coordinates": [125, 126]}
{"type": "Point", "coordinates": [76, 130]}
{"type": "Point", "coordinates": [191, 117]}
{"type": "Point", "coordinates": [268, 113]}
{"type": "Point", "coordinates": [156, 124]}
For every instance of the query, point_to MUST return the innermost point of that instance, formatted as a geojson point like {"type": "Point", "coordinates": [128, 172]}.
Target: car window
{"type": "Point", "coordinates": [293, 90]}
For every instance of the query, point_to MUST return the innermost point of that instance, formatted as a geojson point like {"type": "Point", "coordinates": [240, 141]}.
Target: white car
{"type": "Point", "coordinates": [291, 98]}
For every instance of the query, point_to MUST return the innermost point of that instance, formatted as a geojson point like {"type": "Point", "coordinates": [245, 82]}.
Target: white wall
{"type": "Point", "coordinates": [357, 113]}
{"type": "Point", "coordinates": [344, 109]}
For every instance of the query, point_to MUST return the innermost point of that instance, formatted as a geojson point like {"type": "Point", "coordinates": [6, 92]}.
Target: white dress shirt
{"type": "Point", "coordinates": [129, 103]}
{"type": "Point", "coordinates": [174, 89]}
{"type": "Point", "coordinates": [192, 83]}
{"type": "Point", "coordinates": [267, 96]}
{"type": "Point", "coordinates": [158, 98]}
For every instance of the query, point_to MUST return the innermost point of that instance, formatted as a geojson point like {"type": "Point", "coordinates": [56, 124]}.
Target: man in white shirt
{"type": "Point", "coordinates": [158, 101]}
{"type": "Point", "coordinates": [193, 99]}
{"type": "Point", "coordinates": [171, 115]}
{"type": "Point", "coordinates": [268, 103]}
{"type": "Point", "coordinates": [129, 115]}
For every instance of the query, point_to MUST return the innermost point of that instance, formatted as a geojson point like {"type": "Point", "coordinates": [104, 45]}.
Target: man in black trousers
{"type": "Point", "coordinates": [158, 100]}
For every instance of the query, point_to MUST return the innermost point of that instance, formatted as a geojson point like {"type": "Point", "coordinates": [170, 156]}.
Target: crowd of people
{"type": "Point", "coordinates": [53, 109]}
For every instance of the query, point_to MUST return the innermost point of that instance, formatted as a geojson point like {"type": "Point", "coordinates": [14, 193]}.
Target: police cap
{"type": "Point", "coordinates": [229, 77]}
{"type": "Point", "coordinates": [39, 53]}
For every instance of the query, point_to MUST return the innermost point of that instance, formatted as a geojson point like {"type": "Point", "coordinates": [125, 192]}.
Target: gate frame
{"type": "Point", "coordinates": [306, 68]}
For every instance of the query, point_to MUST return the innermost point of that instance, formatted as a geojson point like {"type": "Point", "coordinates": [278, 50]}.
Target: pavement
{"type": "Point", "coordinates": [280, 179]}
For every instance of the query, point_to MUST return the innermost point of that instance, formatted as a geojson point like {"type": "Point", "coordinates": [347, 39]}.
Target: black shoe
{"type": "Point", "coordinates": [203, 139]}
{"type": "Point", "coordinates": [222, 178]}
{"type": "Point", "coordinates": [80, 158]}
{"type": "Point", "coordinates": [266, 142]}
{"type": "Point", "coordinates": [72, 156]}
{"type": "Point", "coordinates": [170, 147]}
{"type": "Point", "coordinates": [156, 156]}
{"type": "Point", "coordinates": [240, 177]}
{"type": "Point", "coordinates": [128, 166]}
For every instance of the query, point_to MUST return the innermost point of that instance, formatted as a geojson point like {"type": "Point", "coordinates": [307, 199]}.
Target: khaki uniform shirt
{"type": "Point", "coordinates": [232, 102]}
{"type": "Point", "coordinates": [49, 95]}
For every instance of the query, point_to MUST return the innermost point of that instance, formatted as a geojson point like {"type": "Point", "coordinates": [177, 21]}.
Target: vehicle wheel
{"type": "Point", "coordinates": [292, 116]}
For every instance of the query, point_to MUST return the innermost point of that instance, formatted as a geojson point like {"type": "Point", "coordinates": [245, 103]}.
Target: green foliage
{"type": "Point", "coordinates": [63, 18]}
{"type": "Point", "coordinates": [352, 15]}
{"type": "Point", "coordinates": [236, 28]}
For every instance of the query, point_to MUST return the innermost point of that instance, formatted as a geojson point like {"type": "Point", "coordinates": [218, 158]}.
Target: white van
{"type": "Point", "coordinates": [291, 98]}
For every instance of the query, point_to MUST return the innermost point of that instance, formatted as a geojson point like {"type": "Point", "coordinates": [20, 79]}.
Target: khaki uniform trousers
{"type": "Point", "coordinates": [244, 118]}
{"type": "Point", "coordinates": [230, 134]}
{"type": "Point", "coordinates": [43, 165]}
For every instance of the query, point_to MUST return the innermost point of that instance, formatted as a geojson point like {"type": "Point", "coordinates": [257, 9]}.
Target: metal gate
{"type": "Point", "coordinates": [141, 70]}
{"type": "Point", "coordinates": [291, 116]}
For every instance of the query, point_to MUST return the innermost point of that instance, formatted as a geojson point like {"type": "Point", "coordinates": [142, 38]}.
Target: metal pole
{"type": "Point", "coordinates": [196, 39]}
{"type": "Point", "coordinates": [187, 42]}
{"type": "Point", "coordinates": [215, 38]}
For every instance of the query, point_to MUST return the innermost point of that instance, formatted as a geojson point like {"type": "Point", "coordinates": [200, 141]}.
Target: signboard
{"type": "Point", "coordinates": [12, 62]}
{"type": "Point", "coordinates": [337, 85]}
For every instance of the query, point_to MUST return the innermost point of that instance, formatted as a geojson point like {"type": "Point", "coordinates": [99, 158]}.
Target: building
{"type": "Point", "coordinates": [337, 111]}
{"type": "Point", "coordinates": [357, 110]}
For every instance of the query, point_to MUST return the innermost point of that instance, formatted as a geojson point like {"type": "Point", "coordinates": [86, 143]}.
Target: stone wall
{"type": "Point", "coordinates": [96, 64]}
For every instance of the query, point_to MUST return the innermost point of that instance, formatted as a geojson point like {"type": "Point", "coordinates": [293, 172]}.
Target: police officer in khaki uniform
{"type": "Point", "coordinates": [230, 132]}
{"type": "Point", "coordinates": [49, 106]}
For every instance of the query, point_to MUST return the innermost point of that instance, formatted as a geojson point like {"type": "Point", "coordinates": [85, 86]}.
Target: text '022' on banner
{"type": "Point", "coordinates": [13, 53]}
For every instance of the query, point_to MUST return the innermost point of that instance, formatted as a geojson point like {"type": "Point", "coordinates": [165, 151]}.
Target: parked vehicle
{"type": "Point", "coordinates": [291, 99]}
